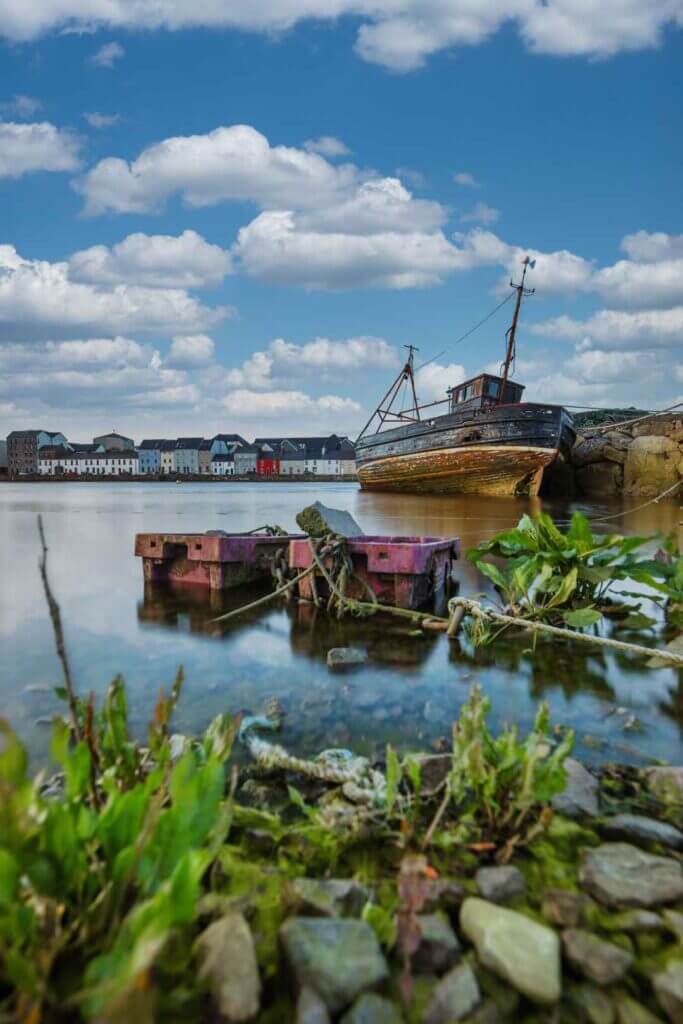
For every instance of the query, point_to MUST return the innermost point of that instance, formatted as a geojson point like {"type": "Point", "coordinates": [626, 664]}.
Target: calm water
{"type": "Point", "coordinates": [410, 689]}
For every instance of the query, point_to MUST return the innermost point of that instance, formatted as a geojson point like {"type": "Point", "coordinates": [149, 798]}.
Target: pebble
{"type": "Point", "coordinates": [519, 950]}
{"type": "Point", "coordinates": [638, 828]}
{"type": "Point", "coordinates": [455, 996]}
{"type": "Point", "coordinates": [599, 961]}
{"type": "Point", "coordinates": [635, 921]}
{"type": "Point", "coordinates": [621, 875]}
{"type": "Point", "coordinates": [332, 897]}
{"type": "Point", "coordinates": [666, 782]}
{"type": "Point", "coordinates": [310, 1008]}
{"type": "Point", "coordinates": [668, 986]}
{"type": "Point", "coordinates": [631, 1012]}
{"type": "Point", "coordinates": [438, 948]}
{"type": "Point", "coordinates": [443, 894]}
{"type": "Point", "coordinates": [500, 884]}
{"type": "Point", "coordinates": [341, 658]}
{"type": "Point", "coordinates": [674, 922]}
{"type": "Point", "coordinates": [228, 960]}
{"type": "Point", "coordinates": [339, 958]}
{"type": "Point", "coordinates": [564, 907]}
{"type": "Point", "coordinates": [595, 1006]}
{"type": "Point", "coordinates": [372, 1009]}
{"type": "Point", "coordinates": [580, 795]}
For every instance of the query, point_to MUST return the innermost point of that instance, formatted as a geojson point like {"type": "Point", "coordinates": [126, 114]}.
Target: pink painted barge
{"type": "Point", "coordinates": [408, 572]}
{"type": "Point", "coordinates": [216, 560]}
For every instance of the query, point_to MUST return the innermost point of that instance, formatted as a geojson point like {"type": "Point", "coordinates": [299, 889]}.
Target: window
{"type": "Point", "coordinates": [492, 388]}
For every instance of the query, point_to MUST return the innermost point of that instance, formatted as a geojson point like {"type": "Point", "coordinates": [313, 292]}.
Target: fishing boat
{"type": "Point", "coordinates": [486, 441]}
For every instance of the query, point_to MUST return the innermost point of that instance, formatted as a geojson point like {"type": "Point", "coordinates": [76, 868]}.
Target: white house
{"type": "Point", "coordinates": [223, 465]}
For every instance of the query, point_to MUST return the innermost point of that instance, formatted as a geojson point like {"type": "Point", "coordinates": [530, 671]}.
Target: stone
{"type": "Point", "coordinates": [227, 961]}
{"type": "Point", "coordinates": [666, 783]}
{"type": "Point", "coordinates": [455, 996]}
{"type": "Point", "coordinates": [631, 1012]}
{"type": "Point", "coordinates": [634, 921]}
{"type": "Point", "coordinates": [564, 907]}
{"type": "Point", "coordinates": [341, 658]}
{"type": "Point", "coordinates": [621, 875]}
{"type": "Point", "coordinates": [438, 948]}
{"type": "Point", "coordinates": [372, 1009]}
{"type": "Point", "coordinates": [580, 795]}
{"type": "Point", "coordinates": [332, 897]}
{"type": "Point", "coordinates": [600, 448]}
{"type": "Point", "coordinates": [500, 884]}
{"type": "Point", "coordinates": [521, 951]}
{"type": "Point", "coordinates": [651, 465]}
{"type": "Point", "coordinates": [595, 1006]}
{"type": "Point", "coordinates": [600, 479]}
{"type": "Point", "coordinates": [443, 894]}
{"type": "Point", "coordinates": [674, 922]}
{"type": "Point", "coordinates": [317, 520]}
{"type": "Point", "coordinates": [668, 986]}
{"type": "Point", "coordinates": [310, 1008]}
{"type": "Point", "coordinates": [338, 958]}
{"type": "Point", "coordinates": [599, 961]}
{"type": "Point", "coordinates": [641, 829]}
{"type": "Point", "coordinates": [434, 769]}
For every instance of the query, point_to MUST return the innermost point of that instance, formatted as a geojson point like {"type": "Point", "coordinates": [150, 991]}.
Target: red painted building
{"type": "Point", "coordinates": [267, 464]}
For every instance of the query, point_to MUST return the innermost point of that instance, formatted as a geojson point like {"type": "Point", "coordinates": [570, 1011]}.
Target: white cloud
{"type": "Point", "coordinates": [328, 146]}
{"type": "Point", "coordinates": [98, 121]}
{"type": "Point", "coordinates": [235, 162]}
{"type": "Point", "coordinates": [653, 246]}
{"type": "Point", "coordinates": [25, 148]}
{"type": "Point", "coordinates": [191, 350]}
{"type": "Point", "coordinates": [413, 177]}
{"type": "Point", "coordinates": [255, 405]}
{"type": "Point", "coordinates": [398, 34]}
{"type": "Point", "coordinates": [20, 106]}
{"type": "Point", "coordinates": [466, 179]}
{"type": "Point", "coordinates": [641, 284]}
{"type": "Point", "coordinates": [107, 55]}
{"type": "Point", "coordinates": [611, 328]}
{"type": "Point", "coordinates": [376, 206]}
{"type": "Point", "coordinates": [284, 361]}
{"type": "Point", "coordinates": [432, 380]}
{"type": "Point", "coordinates": [38, 299]}
{"type": "Point", "coordinates": [481, 213]}
{"type": "Point", "coordinates": [158, 261]}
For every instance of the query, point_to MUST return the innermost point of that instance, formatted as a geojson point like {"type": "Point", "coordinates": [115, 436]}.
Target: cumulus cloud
{"type": "Point", "coordinates": [107, 55]}
{"type": "Point", "coordinates": [20, 106]}
{"type": "Point", "coordinates": [26, 148]}
{"type": "Point", "coordinates": [39, 299]}
{"type": "Point", "coordinates": [258, 405]}
{"type": "Point", "coordinates": [157, 261]}
{"type": "Point", "coordinates": [432, 380]}
{"type": "Point", "coordinates": [284, 361]}
{"type": "Point", "coordinates": [481, 213]}
{"type": "Point", "coordinates": [328, 145]}
{"type": "Point", "coordinates": [99, 121]}
{"type": "Point", "coordinates": [190, 350]}
{"type": "Point", "coordinates": [653, 246]}
{"type": "Point", "coordinates": [398, 34]}
{"type": "Point", "coordinates": [235, 162]}
{"type": "Point", "coordinates": [611, 328]}
{"type": "Point", "coordinates": [466, 179]}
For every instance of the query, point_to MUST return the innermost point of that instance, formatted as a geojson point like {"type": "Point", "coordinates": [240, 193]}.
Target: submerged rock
{"type": "Point", "coordinates": [519, 950]}
{"type": "Point", "coordinates": [332, 897]}
{"type": "Point", "coordinates": [338, 958]}
{"type": "Point", "coordinates": [599, 961]}
{"type": "Point", "coordinates": [317, 520]}
{"type": "Point", "coordinates": [668, 986]}
{"type": "Point", "coordinates": [500, 884]}
{"type": "Point", "coordinates": [341, 658]}
{"type": "Point", "coordinates": [372, 1009]}
{"type": "Point", "coordinates": [580, 795]}
{"type": "Point", "coordinates": [621, 875]}
{"type": "Point", "coordinates": [455, 996]}
{"type": "Point", "coordinates": [438, 947]}
{"type": "Point", "coordinates": [639, 828]}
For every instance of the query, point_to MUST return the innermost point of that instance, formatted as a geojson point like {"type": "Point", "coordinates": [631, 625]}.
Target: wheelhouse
{"type": "Point", "coordinates": [484, 390]}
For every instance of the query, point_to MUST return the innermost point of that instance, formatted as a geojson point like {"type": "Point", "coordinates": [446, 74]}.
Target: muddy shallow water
{"type": "Point", "coordinates": [408, 692]}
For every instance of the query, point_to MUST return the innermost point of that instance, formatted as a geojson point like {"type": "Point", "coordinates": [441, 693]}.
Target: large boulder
{"type": "Point", "coordinates": [600, 479]}
{"type": "Point", "coordinates": [651, 465]}
{"type": "Point", "coordinates": [610, 447]}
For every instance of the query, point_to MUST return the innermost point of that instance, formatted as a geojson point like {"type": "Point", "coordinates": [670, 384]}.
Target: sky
{"type": "Point", "coordinates": [233, 216]}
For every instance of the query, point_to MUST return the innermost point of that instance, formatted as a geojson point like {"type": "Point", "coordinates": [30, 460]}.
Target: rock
{"type": "Point", "coordinates": [580, 795]}
{"type": "Point", "coordinates": [434, 769]}
{"type": "Point", "coordinates": [438, 947]}
{"type": "Point", "coordinates": [668, 986]}
{"type": "Point", "coordinates": [600, 479]}
{"type": "Point", "coordinates": [317, 520]}
{"type": "Point", "coordinates": [651, 465]}
{"type": "Point", "coordinates": [674, 922]}
{"type": "Point", "coordinates": [637, 827]}
{"type": "Point", "coordinates": [443, 894]}
{"type": "Point", "coordinates": [519, 950]}
{"type": "Point", "coordinates": [621, 875]}
{"type": "Point", "coordinates": [599, 961]}
{"type": "Point", "coordinates": [455, 996]}
{"type": "Point", "coordinates": [336, 957]}
{"type": "Point", "coordinates": [486, 1013]}
{"type": "Point", "coordinates": [227, 960]}
{"type": "Point", "coordinates": [600, 448]}
{"type": "Point", "coordinates": [341, 658]}
{"type": "Point", "coordinates": [500, 884]}
{"type": "Point", "coordinates": [564, 907]}
{"type": "Point", "coordinates": [310, 1008]}
{"type": "Point", "coordinates": [634, 921]}
{"type": "Point", "coordinates": [372, 1009]}
{"type": "Point", "coordinates": [332, 897]}
{"type": "Point", "coordinates": [631, 1012]}
{"type": "Point", "coordinates": [595, 1006]}
{"type": "Point", "coordinates": [666, 783]}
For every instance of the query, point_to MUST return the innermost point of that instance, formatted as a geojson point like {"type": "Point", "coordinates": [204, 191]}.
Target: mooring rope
{"type": "Point", "coordinates": [630, 423]}
{"type": "Point", "coordinates": [627, 511]}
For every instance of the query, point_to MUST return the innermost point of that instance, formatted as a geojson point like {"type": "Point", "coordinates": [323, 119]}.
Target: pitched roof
{"type": "Point", "coordinates": [189, 442]}
{"type": "Point", "coordinates": [112, 433]}
{"type": "Point", "coordinates": [153, 444]}
{"type": "Point", "coordinates": [223, 458]}
{"type": "Point", "coordinates": [230, 437]}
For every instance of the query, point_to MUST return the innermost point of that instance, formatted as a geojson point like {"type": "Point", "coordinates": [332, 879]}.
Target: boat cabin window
{"type": "Point", "coordinates": [492, 388]}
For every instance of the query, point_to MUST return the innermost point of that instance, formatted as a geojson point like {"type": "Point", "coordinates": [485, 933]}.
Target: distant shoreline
{"type": "Point", "coordinates": [303, 478]}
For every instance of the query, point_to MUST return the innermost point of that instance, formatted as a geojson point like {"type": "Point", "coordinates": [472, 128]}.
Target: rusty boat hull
{"type": "Point", "coordinates": [502, 450]}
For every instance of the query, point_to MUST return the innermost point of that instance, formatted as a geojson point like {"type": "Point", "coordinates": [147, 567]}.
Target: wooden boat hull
{"type": "Point", "coordinates": [492, 470]}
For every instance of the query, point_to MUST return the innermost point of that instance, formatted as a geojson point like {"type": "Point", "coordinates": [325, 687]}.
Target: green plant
{"type": "Point", "coordinates": [566, 577]}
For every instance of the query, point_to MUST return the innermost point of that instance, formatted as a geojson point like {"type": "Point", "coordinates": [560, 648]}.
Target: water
{"type": "Point", "coordinates": [407, 694]}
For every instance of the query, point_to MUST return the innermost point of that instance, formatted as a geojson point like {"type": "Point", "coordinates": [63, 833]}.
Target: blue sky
{"type": "Point", "coordinates": [235, 223]}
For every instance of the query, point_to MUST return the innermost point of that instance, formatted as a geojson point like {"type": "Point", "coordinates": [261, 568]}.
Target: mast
{"type": "Point", "coordinates": [384, 409]}
{"type": "Point", "coordinates": [527, 263]}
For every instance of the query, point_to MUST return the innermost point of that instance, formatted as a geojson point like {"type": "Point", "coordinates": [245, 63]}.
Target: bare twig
{"type": "Point", "coordinates": [56, 617]}
{"type": "Point", "coordinates": [436, 820]}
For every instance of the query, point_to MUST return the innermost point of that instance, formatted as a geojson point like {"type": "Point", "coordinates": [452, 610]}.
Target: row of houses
{"type": "Point", "coordinates": [46, 453]}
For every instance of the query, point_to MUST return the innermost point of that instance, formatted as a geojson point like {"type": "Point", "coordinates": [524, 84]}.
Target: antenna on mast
{"type": "Point", "coordinates": [528, 264]}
